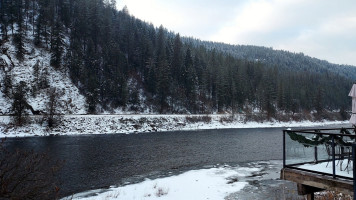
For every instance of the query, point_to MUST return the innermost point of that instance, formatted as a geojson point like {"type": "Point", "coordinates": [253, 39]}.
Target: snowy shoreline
{"type": "Point", "coordinates": [131, 123]}
{"type": "Point", "coordinates": [253, 180]}
{"type": "Point", "coordinates": [213, 183]}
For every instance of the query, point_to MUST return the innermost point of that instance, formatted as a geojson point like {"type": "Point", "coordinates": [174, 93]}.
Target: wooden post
{"type": "Point", "coordinates": [316, 154]}
{"type": "Point", "coordinates": [310, 196]}
{"type": "Point", "coordinates": [284, 148]}
{"type": "Point", "coordinates": [307, 190]}
{"type": "Point", "coordinates": [333, 153]}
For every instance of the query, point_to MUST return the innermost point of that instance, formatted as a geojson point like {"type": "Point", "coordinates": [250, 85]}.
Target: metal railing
{"type": "Point", "coordinates": [322, 151]}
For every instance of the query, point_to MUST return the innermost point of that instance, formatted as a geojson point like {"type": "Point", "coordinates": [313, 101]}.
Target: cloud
{"type": "Point", "coordinates": [332, 40]}
{"type": "Point", "coordinates": [323, 29]}
{"type": "Point", "coordinates": [198, 18]}
{"type": "Point", "coordinates": [263, 21]}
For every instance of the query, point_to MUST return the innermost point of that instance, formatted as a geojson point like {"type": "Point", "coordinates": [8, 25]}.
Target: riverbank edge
{"type": "Point", "coordinates": [128, 124]}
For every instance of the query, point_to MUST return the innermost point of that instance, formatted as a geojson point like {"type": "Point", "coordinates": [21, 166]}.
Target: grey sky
{"type": "Point", "coordinates": [325, 29]}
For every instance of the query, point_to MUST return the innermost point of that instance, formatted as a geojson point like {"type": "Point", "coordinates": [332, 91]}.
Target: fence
{"type": "Point", "coordinates": [322, 151]}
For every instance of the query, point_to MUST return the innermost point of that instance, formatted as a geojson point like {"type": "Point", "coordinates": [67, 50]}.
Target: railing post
{"type": "Point", "coordinates": [333, 153]}
{"type": "Point", "coordinates": [353, 167]}
{"type": "Point", "coordinates": [316, 154]}
{"type": "Point", "coordinates": [284, 148]}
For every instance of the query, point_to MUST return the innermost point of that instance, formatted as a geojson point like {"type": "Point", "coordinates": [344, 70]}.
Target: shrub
{"type": "Point", "coordinates": [228, 119]}
{"type": "Point", "coordinates": [53, 106]}
{"type": "Point", "coordinates": [196, 119]}
{"type": "Point", "coordinates": [19, 104]}
{"type": "Point", "coordinates": [161, 192]}
{"type": "Point", "coordinates": [27, 175]}
{"type": "Point", "coordinates": [258, 117]}
{"type": "Point", "coordinates": [331, 195]}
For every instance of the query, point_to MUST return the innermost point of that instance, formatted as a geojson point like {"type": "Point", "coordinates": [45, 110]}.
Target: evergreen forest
{"type": "Point", "coordinates": [117, 60]}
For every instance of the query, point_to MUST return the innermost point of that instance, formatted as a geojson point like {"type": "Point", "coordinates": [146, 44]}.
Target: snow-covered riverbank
{"type": "Point", "coordinates": [126, 124]}
{"type": "Point", "coordinates": [213, 183]}
{"type": "Point", "coordinates": [255, 180]}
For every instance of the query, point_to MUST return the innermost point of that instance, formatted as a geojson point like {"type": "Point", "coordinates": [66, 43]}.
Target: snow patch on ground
{"type": "Point", "coordinates": [126, 124]}
{"type": "Point", "coordinates": [343, 167]}
{"type": "Point", "coordinates": [255, 180]}
{"type": "Point", "coordinates": [214, 183]}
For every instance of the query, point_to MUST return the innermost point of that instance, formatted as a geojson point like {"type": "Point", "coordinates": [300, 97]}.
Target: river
{"type": "Point", "coordinates": [99, 161]}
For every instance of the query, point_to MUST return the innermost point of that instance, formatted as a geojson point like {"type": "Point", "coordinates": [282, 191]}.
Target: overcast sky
{"type": "Point", "coordinates": [325, 29]}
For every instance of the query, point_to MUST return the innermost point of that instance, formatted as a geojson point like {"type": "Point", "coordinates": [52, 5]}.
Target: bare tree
{"type": "Point", "coordinates": [53, 114]}
{"type": "Point", "coordinates": [19, 104]}
{"type": "Point", "coordinates": [27, 175]}
{"type": "Point", "coordinates": [7, 84]}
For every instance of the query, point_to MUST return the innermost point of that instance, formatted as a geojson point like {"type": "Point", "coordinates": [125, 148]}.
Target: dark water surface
{"type": "Point", "coordinates": [96, 161]}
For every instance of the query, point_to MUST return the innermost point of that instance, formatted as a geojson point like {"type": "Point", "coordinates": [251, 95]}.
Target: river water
{"type": "Point", "coordinates": [99, 161]}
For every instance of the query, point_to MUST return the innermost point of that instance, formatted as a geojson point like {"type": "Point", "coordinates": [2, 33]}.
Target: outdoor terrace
{"type": "Point", "coordinates": [319, 159]}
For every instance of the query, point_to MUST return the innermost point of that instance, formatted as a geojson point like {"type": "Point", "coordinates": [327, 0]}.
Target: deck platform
{"type": "Point", "coordinates": [305, 150]}
{"type": "Point", "coordinates": [309, 182]}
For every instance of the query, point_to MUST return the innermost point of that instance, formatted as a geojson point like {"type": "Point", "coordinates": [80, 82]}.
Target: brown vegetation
{"type": "Point", "coordinates": [27, 175]}
{"type": "Point", "coordinates": [196, 119]}
{"type": "Point", "coordinates": [331, 195]}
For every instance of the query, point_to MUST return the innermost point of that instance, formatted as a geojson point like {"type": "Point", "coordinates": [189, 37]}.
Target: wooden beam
{"type": "Point", "coordinates": [306, 189]}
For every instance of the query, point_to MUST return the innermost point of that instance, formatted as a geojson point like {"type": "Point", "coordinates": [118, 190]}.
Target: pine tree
{"type": "Point", "coordinates": [19, 36]}
{"type": "Point", "coordinates": [151, 79]}
{"type": "Point", "coordinates": [189, 77]}
{"type": "Point", "coordinates": [318, 103]}
{"type": "Point", "coordinates": [43, 79]}
{"type": "Point", "coordinates": [177, 60]}
{"type": "Point", "coordinates": [12, 12]}
{"type": "Point", "coordinates": [36, 75]}
{"type": "Point", "coordinates": [57, 43]}
{"type": "Point", "coordinates": [268, 93]}
{"type": "Point", "coordinates": [39, 26]}
{"type": "Point", "coordinates": [7, 84]}
{"type": "Point", "coordinates": [163, 71]}
{"type": "Point", "coordinates": [163, 84]}
{"type": "Point", "coordinates": [4, 21]}
{"type": "Point", "coordinates": [92, 95]}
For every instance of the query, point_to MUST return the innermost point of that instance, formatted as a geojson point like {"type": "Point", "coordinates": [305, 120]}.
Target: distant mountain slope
{"type": "Point", "coordinates": [283, 59]}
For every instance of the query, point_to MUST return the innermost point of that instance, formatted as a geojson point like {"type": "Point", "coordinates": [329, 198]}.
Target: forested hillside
{"type": "Point", "coordinates": [119, 61]}
{"type": "Point", "coordinates": [285, 60]}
